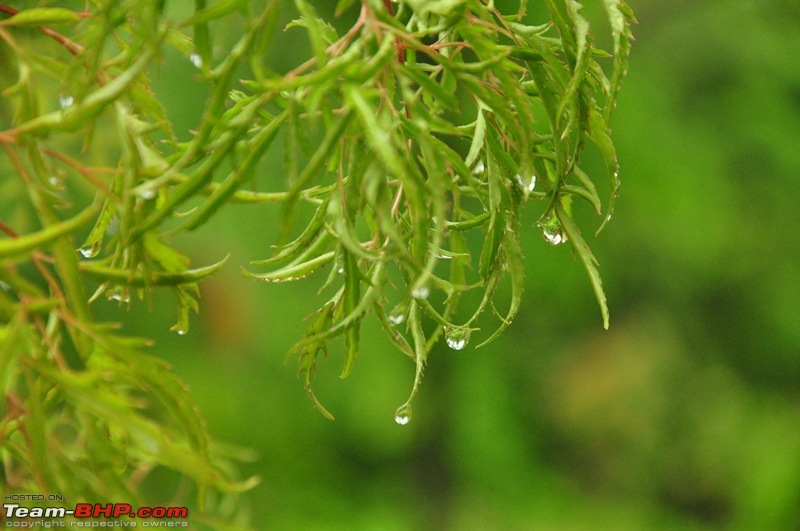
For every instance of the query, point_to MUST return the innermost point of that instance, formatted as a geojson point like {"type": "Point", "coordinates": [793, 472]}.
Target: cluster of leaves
{"type": "Point", "coordinates": [438, 121]}
{"type": "Point", "coordinates": [415, 138]}
{"type": "Point", "coordinates": [87, 411]}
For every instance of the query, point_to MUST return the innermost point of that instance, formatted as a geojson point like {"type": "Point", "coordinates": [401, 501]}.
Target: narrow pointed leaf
{"type": "Point", "coordinates": [586, 258]}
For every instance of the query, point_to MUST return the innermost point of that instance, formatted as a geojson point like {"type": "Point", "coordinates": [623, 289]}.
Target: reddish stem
{"type": "Point", "coordinates": [401, 48]}
{"type": "Point", "coordinates": [5, 228]}
{"type": "Point", "coordinates": [64, 41]}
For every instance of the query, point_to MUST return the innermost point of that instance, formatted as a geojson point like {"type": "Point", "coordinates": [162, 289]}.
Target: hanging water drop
{"type": "Point", "coordinates": [65, 100]}
{"type": "Point", "coordinates": [146, 193]}
{"type": "Point", "coordinates": [554, 238]}
{"type": "Point", "coordinates": [181, 331]}
{"type": "Point", "coordinates": [552, 231]}
{"type": "Point", "coordinates": [90, 250]}
{"type": "Point", "coordinates": [479, 168]}
{"type": "Point", "coordinates": [457, 338]}
{"type": "Point", "coordinates": [526, 184]}
{"type": "Point", "coordinates": [196, 60]}
{"type": "Point", "coordinates": [403, 415]}
{"type": "Point", "coordinates": [421, 292]}
{"type": "Point", "coordinates": [121, 295]}
{"type": "Point", "coordinates": [398, 315]}
{"type": "Point", "coordinates": [442, 254]}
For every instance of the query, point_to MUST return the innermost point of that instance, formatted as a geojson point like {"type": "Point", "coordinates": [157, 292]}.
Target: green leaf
{"type": "Point", "coordinates": [39, 16]}
{"type": "Point", "coordinates": [302, 242]}
{"type": "Point", "coordinates": [309, 351]}
{"type": "Point", "coordinates": [343, 5]}
{"type": "Point", "coordinates": [477, 139]}
{"type": "Point", "coordinates": [78, 115]}
{"type": "Point", "coordinates": [315, 165]}
{"type": "Point", "coordinates": [601, 137]}
{"type": "Point", "coordinates": [587, 258]}
{"type": "Point", "coordinates": [294, 271]}
{"type": "Point", "coordinates": [320, 33]}
{"type": "Point", "coordinates": [469, 224]}
{"type": "Point", "coordinates": [351, 296]}
{"type": "Point", "coordinates": [139, 279]}
{"type": "Point", "coordinates": [24, 244]}
{"type": "Point", "coordinates": [429, 85]}
{"type": "Point", "coordinates": [256, 148]}
{"type": "Point", "coordinates": [580, 31]}
{"type": "Point", "coordinates": [620, 17]}
{"type": "Point", "coordinates": [516, 271]}
{"type": "Point", "coordinates": [491, 243]}
{"type": "Point", "coordinates": [437, 7]}
{"type": "Point", "coordinates": [420, 354]}
{"type": "Point", "coordinates": [378, 138]}
{"type": "Point", "coordinates": [217, 10]}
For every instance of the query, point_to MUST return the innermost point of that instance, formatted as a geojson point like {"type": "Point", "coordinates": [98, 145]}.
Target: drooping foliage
{"type": "Point", "coordinates": [413, 140]}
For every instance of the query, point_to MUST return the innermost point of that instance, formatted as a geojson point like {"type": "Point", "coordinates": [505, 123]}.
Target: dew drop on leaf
{"type": "Point", "coordinates": [90, 250]}
{"type": "Point", "coordinates": [403, 415]}
{"type": "Point", "coordinates": [147, 193]}
{"type": "Point", "coordinates": [196, 60]}
{"type": "Point", "coordinates": [421, 292]}
{"type": "Point", "coordinates": [397, 316]}
{"type": "Point", "coordinates": [457, 338]}
{"type": "Point", "coordinates": [551, 230]}
{"type": "Point", "coordinates": [120, 295]}
{"type": "Point", "coordinates": [65, 100]}
{"type": "Point", "coordinates": [526, 184]}
{"type": "Point", "coordinates": [554, 238]}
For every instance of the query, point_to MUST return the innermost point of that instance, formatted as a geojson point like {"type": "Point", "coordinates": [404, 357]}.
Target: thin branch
{"type": "Point", "coordinates": [69, 45]}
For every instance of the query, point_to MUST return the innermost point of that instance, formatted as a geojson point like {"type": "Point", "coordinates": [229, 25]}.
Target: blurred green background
{"type": "Point", "coordinates": [684, 415]}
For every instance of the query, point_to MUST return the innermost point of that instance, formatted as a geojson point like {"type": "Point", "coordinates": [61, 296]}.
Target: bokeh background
{"type": "Point", "coordinates": [684, 415]}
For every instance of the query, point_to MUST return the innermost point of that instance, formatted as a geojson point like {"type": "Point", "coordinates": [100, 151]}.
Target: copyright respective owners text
{"type": "Point", "coordinates": [48, 511]}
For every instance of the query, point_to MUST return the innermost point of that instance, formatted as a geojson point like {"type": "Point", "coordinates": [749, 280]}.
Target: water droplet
{"type": "Point", "coordinates": [403, 415]}
{"type": "Point", "coordinates": [90, 250]}
{"type": "Point", "coordinates": [529, 184]}
{"type": "Point", "coordinates": [181, 331]}
{"type": "Point", "coordinates": [196, 60]}
{"type": "Point", "coordinates": [146, 193]}
{"type": "Point", "coordinates": [457, 338]}
{"type": "Point", "coordinates": [552, 231]}
{"type": "Point", "coordinates": [340, 270]}
{"type": "Point", "coordinates": [554, 238]}
{"type": "Point", "coordinates": [65, 100]}
{"type": "Point", "coordinates": [479, 168]}
{"type": "Point", "coordinates": [121, 295]}
{"type": "Point", "coordinates": [421, 292]}
{"type": "Point", "coordinates": [54, 181]}
{"type": "Point", "coordinates": [398, 315]}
